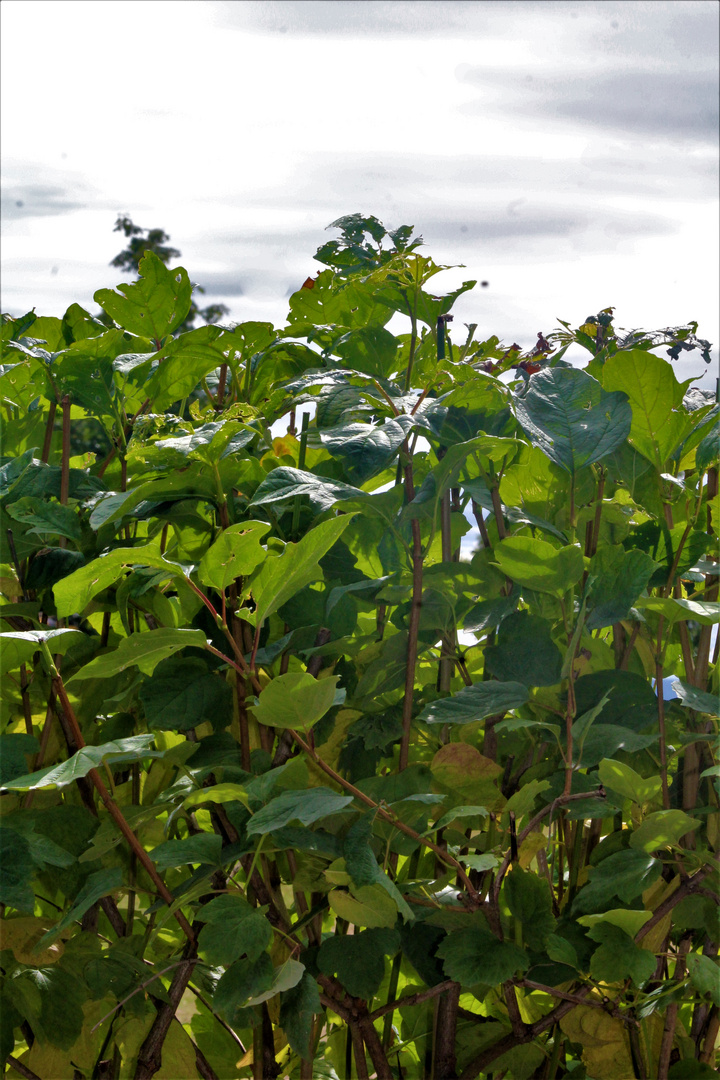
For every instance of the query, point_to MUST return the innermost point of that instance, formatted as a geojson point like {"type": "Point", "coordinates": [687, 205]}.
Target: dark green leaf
{"type": "Point", "coordinates": [473, 956]}
{"type": "Point", "coordinates": [184, 693]}
{"type": "Point", "coordinates": [233, 928]}
{"type": "Point", "coordinates": [619, 957]}
{"type": "Point", "coordinates": [572, 419]}
{"type": "Point", "coordinates": [358, 960]}
{"type": "Point", "coordinates": [305, 806]}
{"type": "Point", "coordinates": [476, 702]}
{"type": "Point", "coordinates": [525, 652]}
{"type": "Point", "coordinates": [529, 899]}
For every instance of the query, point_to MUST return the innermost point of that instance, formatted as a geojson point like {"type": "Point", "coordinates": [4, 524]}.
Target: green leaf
{"type": "Point", "coordinates": [19, 646]}
{"type": "Point", "coordinates": [120, 751]}
{"type": "Point", "coordinates": [674, 609]}
{"type": "Point", "coordinates": [364, 870]}
{"type": "Point", "coordinates": [364, 905]}
{"type": "Point", "coordinates": [152, 306]}
{"type": "Point", "coordinates": [561, 950]}
{"type": "Point", "coordinates": [144, 651]}
{"type": "Point", "coordinates": [366, 450]}
{"type": "Point", "coordinates": [242, 981]}
{"type": "Point", "coordinates": [62, 996]}
{"type": "Point", "coordinates": [529, 899]}
{"type": "Point", "coordinates": [281, 576]}
{"type": "Point", "coordinates": [75, 591]}
{"type": "Point", "coordinates": [473, 956]}
{"type": "Point", "coordinates": [298, 1007]}
{"type": "Point", "coordinates": [218, 793]}
{"type": "Point", "coordinates": [662, 829]}
{"type": "Point", "coordinates": [296, 700]}
{"type": "Point", "coordinates": [626, 782]}
{"type": "Point", "coordinates": [619, 957]}
{"type": "Point", "coordinates": [692, 698]}
{"type": "Point", "coordinates": [691, 1069]}
{"type": "Point", "coordinates": [704, 975]}
{"type": "Point", "coordinates": [539, 565]}
{"type": "Point", "coordinates": [17, 870]}
{"type": "Point", "coordinates": [618, 578]}
{"type": "Point", "coordinates": [285, 977]}
{"type": "Point", "coordinates": [655, 395]}
{"type": "Point", "coordinates": [358, 960]}
{"type": "Point", "coordinates": [708, 450]}
{"type": "Point", "coordinates": [625, 874]}
{"type": "Point", "coordinates": [304, 806]}
{"type": "Point", "coordinates": [476, 702]}
{"type": "Point", "coordinates": [97, 885]}
{"type": "Point", "coordinates": [525, 652]}
{"type": "Point", "coordinates": [571, 418]}
{"type": "Point", "coordinates": [184, 693]}
{"type": "Point", "coordinates": [465, 772]}
{"type": "Point", "coordinates": [629, 921]}
{"type": "Point", "coordinates": [46, 518]}
{"type": "Point", "coordinates": [236, 553]}
{"type": "Point", "coordinates": [13, 751]}
{"type": "Point", "coordinates": [204, 848]}
{"type": "Point", "coordinates": [233, 929]}
{"type": "Point", "coordinates": [285, 484]}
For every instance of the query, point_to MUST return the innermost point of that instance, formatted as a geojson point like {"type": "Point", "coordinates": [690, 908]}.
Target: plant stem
{"type": "Point", "coordinates": [110, 805]}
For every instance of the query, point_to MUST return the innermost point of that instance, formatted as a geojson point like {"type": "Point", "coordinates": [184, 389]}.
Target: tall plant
{"type": "Point", "coordinates": [294, 785]}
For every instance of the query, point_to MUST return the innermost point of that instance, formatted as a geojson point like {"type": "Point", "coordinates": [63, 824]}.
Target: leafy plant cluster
{"type": "Point", "coordinates": [292, 785]}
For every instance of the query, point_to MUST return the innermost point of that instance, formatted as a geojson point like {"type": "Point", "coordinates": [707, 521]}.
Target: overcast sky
{"type": "Point", "coordinates": [567, 153]}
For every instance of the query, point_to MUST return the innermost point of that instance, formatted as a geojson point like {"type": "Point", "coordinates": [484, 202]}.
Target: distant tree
{"type": "Point", "coordinates": [156, 240]}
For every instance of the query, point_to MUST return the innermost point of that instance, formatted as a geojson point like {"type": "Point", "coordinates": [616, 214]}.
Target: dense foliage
{"type": "Point", "coordinates": [293, 787]}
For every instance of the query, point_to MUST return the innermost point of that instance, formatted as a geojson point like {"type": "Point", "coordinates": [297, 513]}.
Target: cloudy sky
{"type": "Point", "coordinates": [565, 152]}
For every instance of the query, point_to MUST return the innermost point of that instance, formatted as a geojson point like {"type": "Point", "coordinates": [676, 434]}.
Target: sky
{"type": "Point", "coordinates": [566, 153]}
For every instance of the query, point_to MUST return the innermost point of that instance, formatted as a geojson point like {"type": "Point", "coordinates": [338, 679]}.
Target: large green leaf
{"type": "Point", "coordinates": [235, 553]}
{"type": "Point", "coordinates": [619, 578]}
{"type": "Point", "coordinates": [305, 806]}
{"type": "Point", "coordinates": [46, 518]}
{"type": "Point", "coordinates": [19, 646]}
{"type": "Point", "coordinates": [284, 484]}
{"type": "Point", "coordinates": [299, 1006]}
{"type": "Point", "coordinates": [281, 576]}
{"type": "Point", "coordinates": [233, 928]}
{"type": "Point", "coordinates": [539, 565]}
{"type": "Point", "coordinates": [623, 779]}
{"type": "Point", "coordinates": [118, 752]}
{"type": "Point", "coordinates": [144, 651]}
{"type": "Point", "coordinates": [152, 306]}
{"type": "Point", "coordinates": [625, 874]}
{"type": "Point", "coordinates": [664, 828]}
{"type": "Point", "coordinates": [525, 652]}
{"type": "Point", "coordinates": [618, 957]}
{"type": "Point", "coordinates": [571, 418]}
{"type": "Point", "coordinates": [203, 848]}
{"type": "Point", "coordinates": [296, 700]}
{"type": "Point", "coordinates": [476, 702]}
{"type": "Point", "coordinates": [74, 592]}
{"type": "Point", "coordinates": [659, 422]}
{"type": "Point", "coordinates": [473, 956]}
{"type": "Point", "coordinates": [183, 693]}
{"type": "Point", "coordinates": [530, 901]}
{"type": "Point", "coordinates": [366, 450]}
{"type": "Point", "coordinates": [97, 885]}
{"type": "Point", "coordinates": [242, 981]}
{"type": "Point", "coordinates": [358, 960]}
